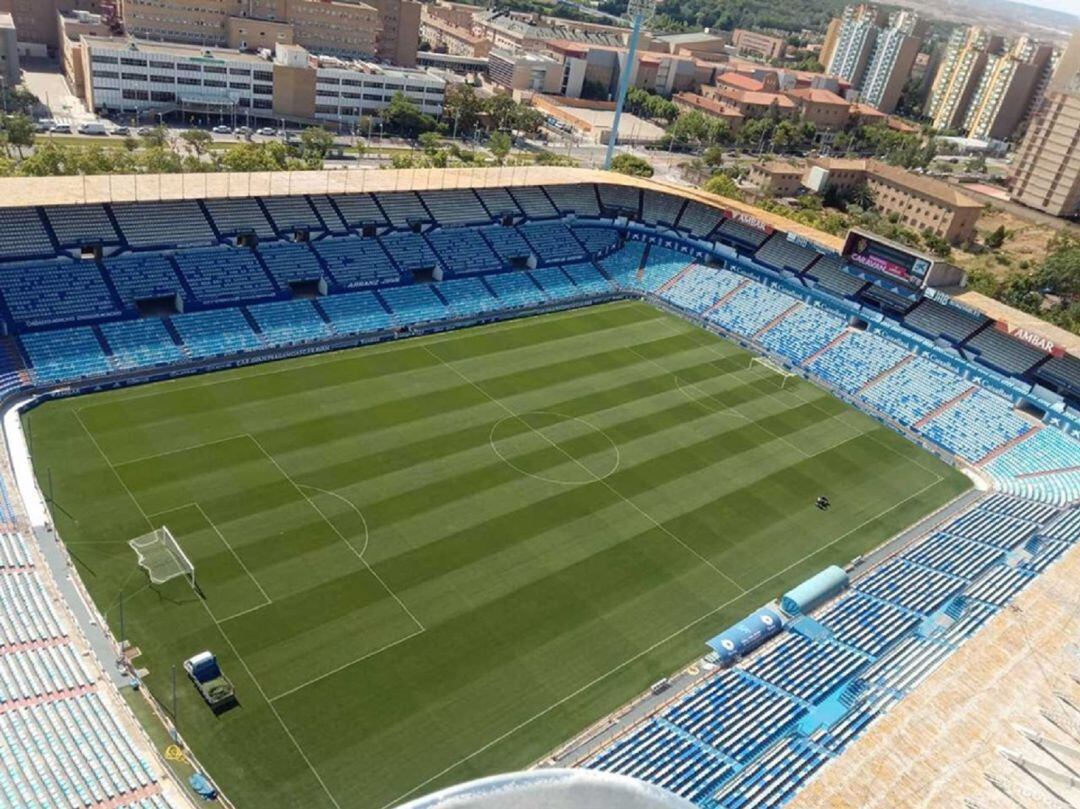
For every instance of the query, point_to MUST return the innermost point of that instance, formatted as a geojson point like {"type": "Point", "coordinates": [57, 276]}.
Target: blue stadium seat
{"type": "Point", "coordinates": [416, 303]}
{"type": "Point", "coordinates": [215, 333]}
{"type": "Point", "coordinates": [142, 276]}
{"type": "Point", "coordinates": [289, 262]}
{"type": "Point", "coordinates": [410, 251]}
{"type": "Point", "coordinates": [356, 313]}
{"type": "Point", "coordinates": [142, 343]}
{"type": "Point", "coordinates": [552, 242]}
{"type": "Point", "coordinates": [224, 275]}
{"type": "Point", "coordinates": [515, 289]}
{"type": "Point", "coordinates": [65, 354]}
{"type": "Point", "coordinates": [180, 223]}
{"type": "Point", "coordinates": [289, 322]}
{"type": "Point", "coordinates": [54, 293]}
{"type": "Point", "coordinates": [356, 262]}
{"type": "Point", "coordinates": [463, 250]}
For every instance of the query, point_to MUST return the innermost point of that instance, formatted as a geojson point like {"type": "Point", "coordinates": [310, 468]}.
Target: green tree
{"type": "Point", "coordinates": [976, 164]}
{"type": "Point", "coordinates": [713, 156]}
{"type": "Point", "coordinates": [315, 145]}
{"type": "Point", "coordinates": [500, 146]}
{"type": "Point", "coordinates": [429, 142]}
{"type": "Point", "coordinates": [633, 165]}
{"type": "Point", "coordinates": [19, 130]}
{"type": "Point", "coordinates": [996, 238]}
{"type": "Point", "coordinates": [155, 137]}
{"type": "Point", "coordinates": [462, 108]}
{"type": "Point", "coordinates": [404, 117]}
{"type": "Point", "coordinates": [198, 139]}
{"type": "Point", "coordinates": [723, 186]}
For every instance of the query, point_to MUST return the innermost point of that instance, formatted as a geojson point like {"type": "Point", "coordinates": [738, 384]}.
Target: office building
{"type": "Point", "coordinates": [9, 51]}
{"type": "Point", "coordinates": [1046, 171]}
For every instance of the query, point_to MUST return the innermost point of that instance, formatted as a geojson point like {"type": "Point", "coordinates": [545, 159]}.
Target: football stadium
{"type": "Point", "coordinates": [470, 487]}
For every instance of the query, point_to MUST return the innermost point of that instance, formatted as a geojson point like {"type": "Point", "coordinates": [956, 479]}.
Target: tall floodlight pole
{"type": "Point", "coordinates": [639, 11]}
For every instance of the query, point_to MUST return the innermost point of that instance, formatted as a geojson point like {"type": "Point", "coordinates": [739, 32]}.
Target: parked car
{"type": "Point", "coordinates": [143, 131]}
{"type": "Point", "coordinates": [92, 128]}
{"type": "Point", "coordinates": [221, 129]}
{"type": "Point", "coordinates": [61, 129]}
{"type": "Point", "coordinates": [269, 131]}
{"type": "Point", "coordinates": [120, 130]}
{"type": "Point", "coordinates": [243, 130]}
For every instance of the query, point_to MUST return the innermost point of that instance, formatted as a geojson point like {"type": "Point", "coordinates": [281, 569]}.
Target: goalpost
{"type": "Point", "coordinates": [779, 370]}
{"type": "Point", "coordinates": [161, 556]}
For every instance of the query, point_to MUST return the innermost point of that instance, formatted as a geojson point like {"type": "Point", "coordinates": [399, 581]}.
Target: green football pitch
{"type": "Point", "coordinates": [440, 558]}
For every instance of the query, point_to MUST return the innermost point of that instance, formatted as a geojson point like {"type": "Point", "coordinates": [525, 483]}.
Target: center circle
{"type": "Point", "coordinates": [554, 448]}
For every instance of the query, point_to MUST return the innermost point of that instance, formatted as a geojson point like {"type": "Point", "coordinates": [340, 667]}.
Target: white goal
{"type": "Point", "coordinates": [161, 556]}
{"type": "Point", "coordinates": [779, 370]}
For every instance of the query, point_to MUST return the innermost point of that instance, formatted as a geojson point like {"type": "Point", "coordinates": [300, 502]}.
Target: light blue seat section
{"type": "Point", "coordinates": [975, 426]}
{"type": "Point", "coordinates": [915, 389]}
{"type": "Point", "coordinates": [801, 334]}
{"type": "Point", "coordinates": [552, 242]}
{"type": "Point", "coordinates": [141, 276]}
{"type": "Point", "coordinates": [57, 292]}
{"type": "Point", "coordinates": [289, 322]}
{"type": "Point", "coordinates": [856, 360]}
{"type": "Point", "coordinates": [224, 275]}
{"type": "Point", "coordinates": [65, 354]}
{"type": "Point", "coordinates": [515, 289]}
{"type": "Point", "coordinates": [356, 262]}
{"type": "Point", "coordinates": [215, 333]}
{"type": "Point", "coordinates": [416, 303]}
{"type": "Point", "coordinates": [141, 343]}
{"type": "Point", "coordinates": [467, 296]}
{"type": "Point", "coordinates": [463, 250]}
{"type": "Point", "coordinates": [356, 313]}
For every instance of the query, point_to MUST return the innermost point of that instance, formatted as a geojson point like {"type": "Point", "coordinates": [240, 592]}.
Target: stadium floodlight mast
{"type": "Point", "coordinates": [640, 11]}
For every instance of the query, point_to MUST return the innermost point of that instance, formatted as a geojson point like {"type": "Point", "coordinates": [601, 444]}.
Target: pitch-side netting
{"type": "Point", "coordinates": [162, 557]}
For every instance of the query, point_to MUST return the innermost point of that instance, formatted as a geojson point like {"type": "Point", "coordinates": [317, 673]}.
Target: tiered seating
{"type": "Point", "coordinates": [1063, 370]}
{"type": "Point", "coordinates": [1000, 351]}
{"type": "Point", "coordinates": [1000, 585]}
{"type": "Point", "coordinates": [329, 216]}
{"type": "Point", "coordinates": [956, 556]}
{"type": "Point", "coordinates": [907, 665]}
{"type": "Point", "coordinates": [359, 210]}
{"type": "Point", "coordinates": [660, 755]}
{"type": "Point", "coordinates": [802, 333]}
{"type": "Point", "coordinates": [733, 714]}
{"type": "Point", "coordinates": [26, 614]}
{"type": "Point", "coordinates": [554, 282]}
{"type": "Point", "coordinates": [22, 234]}
{"type": "Point", "coordinates": [76, 225]}
{"type": "Point", "coordinates": [289, 322]}
{"type": "Point", "coordinates": [623, 197]}
{"type": "Point", "coordinates": [806, 669]}
{"type": "Point", "coordinates": [975, 426]}
{"type": "Point", "coordinates": [36, 672]}
{"type": "Point", "coordinates": [65, 354]}
{"type": "Point", "coordinates": [13, 551]}
{"type": "Point", "coordinates": [463, 250]}
{"type": "Point", "coordinates": [868, 625]}
{"type": "Point", "coordinates": [701, 287]}
{"type": "Point", "coordinates": [403, 207]}
{"type": "Point", "coordinates": [553, 243]}
{"type": "Point", "coordinates": [242, 215]}
{"type": "Point", "coordinates": [781, 253]}
{"type": "Point", "coordinates": [534, 202]}
{"type": "Point", "coordinates": [578, 199]}
{"type": "Point", "coordinates": [68, 752]}
{"type": "Point", "coordinates": [467, 296]}
{"type": "Point", "coordinates": [992, 529]}
{"type": "Point", "coordinates": [887, 299]}
{"type": "Point", "coordinates": [1014, 507]}
{"type": "Point", "coordinates": [740, 234]}
{"type": "Point", "coordinates": [356, 313]}
{"type": "Point", "coordinates": [410, 251]}
{"type": "Point", "coordinates": [1047, 451]}
{"type": "Point", "coordinates": [141, 343]}
{"type": "Point", "coordinates": [61, 292]}
{"type": "Point", "coordinates": [588, 279]}
{"type": "Point", "coordinates": [498, 201]}
{"type": "Point", "coordinates": [773, 779]}
{"type": "Point", "coordinates": [914, 390]}
{"type": "Point", "coordinates": [515, 289]}
{"type": "Point", "coordinates": [289, 262]}
{"type": "Point", "coordinates": [507, 243]}
{"type": "Point", "coordinates": [356, 262]}
{"type": "Point", "coordinates": [163, 224]}
{"type": "Point", "coordinates": [622, 265]}
{"type": "Point", "coordinates": [597, 241]}
{"type": "Point", "coordinates": [700, 220]}
{"type": "Point", "coordinates": [750, 309]}
{"type": "Point", "coordinates": [829, 272]}
{"type": "Point", "coordinates": [416, 303]}
{"type": "Point", "coordinates": [660, 267]}
{"type": "Point", "coordinates": [660, 209]}
{"type": "Point", "coordinates": [1066, 528]}
{"type": "Point", "coordinates": [224, 275]}
{"type": "Point", "coordinates": [937, 320]}
{"type": "Point", "coordinates": [856, 360]}
{"type": "Point", "coordinates": [910, 586]}
{"type": "Point", "coordinates": [142, 276]}
{"type": "Point", "coordinates": [215, 333]}
{"type": "Point", "coordinates": [460, 207]}
{"type": "Point", "coordinates": [291, 213]}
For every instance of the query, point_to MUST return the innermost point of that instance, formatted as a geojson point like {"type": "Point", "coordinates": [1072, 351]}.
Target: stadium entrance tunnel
{"type": "Point", "coordinates": [554, 447]}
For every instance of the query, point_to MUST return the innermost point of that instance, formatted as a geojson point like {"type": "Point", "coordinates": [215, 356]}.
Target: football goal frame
{"type": "Point", "coordinates": [161, 556]}
{"type": "Point", "coordinates": [779, 370]}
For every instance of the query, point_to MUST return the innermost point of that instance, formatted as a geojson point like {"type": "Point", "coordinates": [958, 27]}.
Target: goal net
{"type": "Point", "coordinates": [779, 370]}
{"type": "Point", "coordinates": [161, 556]}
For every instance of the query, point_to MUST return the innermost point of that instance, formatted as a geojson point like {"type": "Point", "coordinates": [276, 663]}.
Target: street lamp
{"type": "Point", "coordinates": [639, 11]}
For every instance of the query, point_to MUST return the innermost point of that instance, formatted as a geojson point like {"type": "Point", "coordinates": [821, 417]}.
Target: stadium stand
{"type": "Point", "coordinates": [224, 275]}
{"type": "Point", "coordinates": [802, 333]}
{"type": "Point", "coordinates": [533, 202]}
{"type": "Point", "coordinates": [459, 207]}
{"type": "Point", "coordinates": [234, 216]}
{"type": "Point", "coordinates": [359, 209]}
{"type": "Point", "coordinates": [65, 354]}
{"type": "Point", "coordinates": [289, 214]}
{"type": "Point", "coordinates": [1061, 371]}
{"type": "Point", "coordinates": [830, 275]}
{"type": "Point", "coordinates": [936, 320]}
{"type": "Point", "coordinates": [995, 349]}
{"type": "Point", "coordinates": [975, 426]}
{"type": "Point", "coordinates": [699, 219]}
{"type": "Point", "coordinates": [215, 333]}
{"type": "Point", "coordinates": [356, 313]}
{"type": "Point", "coordinates": [328, 214]}
{"type": "Point", "coordinates": [498, 201]}
{"type": "Point", "coordinates": [403, 208]}
{"type": "Point", "coordinates": [355, 262]}
{"type": "Point", "coordinates": [750, 309]}
{"type": "Point", "coordinates": [914, 390]}
{"type": "Point", "coordinates": [507, 243]}
{"type": "Point", "coordinates": [660, 209]}
{"type": "Point", "coordinates": [163, 224]}
{"type": "Point", "coordinates": [289, 322]}
{"type": "Point", "coordinates": [515, 289]}
{"type": "Point", "coordinates": [553, 243]}
{"type": "Point", "coordinates": [76, 225]}
{"type": "Point", "coordinates": [417, 303]}
{"type": "Point", "coordinates": [467, 296]}
{"type": "Point", "coordinates": [22, 234]}
{"type": "Point", "coordinates": [577, 199]}
{"type": "Point", "coordinates": [140, 344]}
{"type": "Point", "coordinates": [60, 292]}
{"type": "Point", "coordinates": [554, 282]}
{"type": "Point", "coordinates": [597, 241]}
{"type": "Point", "coordinates": [701, 288]}
{"type": "Point", "coordinates": [622, 198]}
{"type": "Point", "coordinates": [739, 234]}
{"type": "Point", "coordinates": [588, 279]}
{"type": "Point", "coordinates": [781, 253]}
{"type": "Point", "coordinates": [855, 360]}
{"type": "Point", "coordinates": [142, 276]}
{"type": "Point", "coordinates": [463, 250]}
{"type": "Point", "coordinates": [288, 262]}
{"type": "Point", "coordinates": [410, 251]}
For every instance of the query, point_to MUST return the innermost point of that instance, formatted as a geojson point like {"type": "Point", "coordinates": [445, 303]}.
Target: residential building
{"type": "Point", "coordinates": [449, 27]}
{"type": "Point", "coordinates": [822, 108]}
{"type": "Point", "coordinates": [762, 46]}
{"type": "Point", "coordinates": [828, 45]}
{"type": "Point", "coordinates": [891, 61]}
{"type": "Point", "coordinates": [125, 75]}
{"type": "Point", "coordinates": [1007, 90]}
{"type": "Point", "coordinates": [9, 51]}
{"type": "Point", "coordinates": [383, 29]}
{"type": "Point", "coordinates": [751, 97]}
{"type": "Point", "coordinates": [692, 102]}
{"type": "Point", "coordinates": [920, 203]}
{"type": "Point", "coordinates": [855, 39]}
{"type": "Point", "coordinates": [958, 75]}
{"type": "Point", "coordinates": [776, 178]}
{"type": "Point", "coordinates": [1046, 170]}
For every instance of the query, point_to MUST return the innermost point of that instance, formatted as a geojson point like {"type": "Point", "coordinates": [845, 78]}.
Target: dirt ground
{"type": "Point", "coordinates": [1027, 242]}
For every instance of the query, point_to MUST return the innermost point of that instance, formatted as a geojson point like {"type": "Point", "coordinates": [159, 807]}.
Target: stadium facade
{"type": "Point", "coordinates": [111, 281]}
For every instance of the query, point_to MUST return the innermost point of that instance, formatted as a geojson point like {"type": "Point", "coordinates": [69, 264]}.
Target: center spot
{"type": "Point", "coordinates": [555, 448]}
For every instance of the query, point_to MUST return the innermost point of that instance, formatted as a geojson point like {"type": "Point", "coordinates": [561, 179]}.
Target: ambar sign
{"type": "Point", "coordinates": [1031, 338]}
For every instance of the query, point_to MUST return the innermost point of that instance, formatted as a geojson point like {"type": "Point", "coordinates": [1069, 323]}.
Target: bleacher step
{"type": "Point", "coordinates": [833, 343]}
{"type": "Point", "coordinates": [933, 414]}
{"type": "Point", "coordinates": [731, 294]}
{"type": "Point", "coordinates": [1008, 445]}
{"type": "Point", "coordinates": [887, 372]}
{"type": "Point", "coordinates": [776, 321]}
